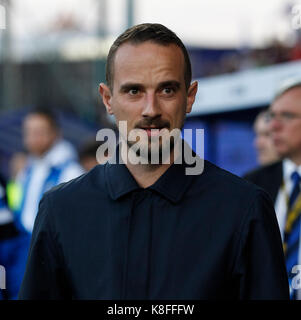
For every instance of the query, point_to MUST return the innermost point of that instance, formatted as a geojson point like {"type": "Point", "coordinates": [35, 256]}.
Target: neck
{"type": "Point", "coordinates": [147, 174]}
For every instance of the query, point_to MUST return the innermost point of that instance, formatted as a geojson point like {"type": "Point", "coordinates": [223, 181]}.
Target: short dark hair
{"type": "Point", "coordinates": [140, 33]}
{"type": "Point", "coordinates": [47, 113]}
{"type": "Point", "coordinates": [88, 149]}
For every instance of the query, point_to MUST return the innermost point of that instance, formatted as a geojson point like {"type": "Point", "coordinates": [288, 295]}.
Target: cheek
{"type": "Point", "coordinates": [125, 110]}
{"type": "Point", "coordinates": [32, 137]}
{"type": "Point", "coordinates": [291, 133]}
{"type": "Point", "coordinates": [179, 116]}
{"type": "Point", "coordinates": [126, 115]}
{"type": "Point", "coordinates": [120, 107]}
{"type": "Point", "coordinates": [297, 137]}
{"type": "Point", "coordinates": [175, 110]}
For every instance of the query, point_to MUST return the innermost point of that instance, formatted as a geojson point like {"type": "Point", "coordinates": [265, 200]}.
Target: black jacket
{"type": "Point", "coordinates": [211, 236]}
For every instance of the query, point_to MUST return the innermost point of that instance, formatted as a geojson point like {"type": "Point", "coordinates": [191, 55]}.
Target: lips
{"type": "Point", "coordinates": [152, 131]}
{"type": "Point", "coordinates": [153, 127]}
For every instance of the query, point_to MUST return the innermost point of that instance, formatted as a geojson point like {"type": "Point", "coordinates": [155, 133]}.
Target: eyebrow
{"type": "Point", "coordinates": [171, 83]}
{"type": "Point", "coordinates": [130, 85]}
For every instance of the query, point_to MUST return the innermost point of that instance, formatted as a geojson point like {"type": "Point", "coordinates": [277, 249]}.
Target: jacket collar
{"type": "Point", "coordinates": [172, 184]}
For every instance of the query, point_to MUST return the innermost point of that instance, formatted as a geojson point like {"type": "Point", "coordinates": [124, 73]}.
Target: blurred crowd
{"type": "Point", "coordinates": [274, 53]}
{"type": "Point", "coordinates": [47, 160]}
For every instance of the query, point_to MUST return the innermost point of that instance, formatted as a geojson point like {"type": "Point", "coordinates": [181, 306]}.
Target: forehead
{"type": "Point", "coordinates": [288, 101]}
{"type": "Point", "coordinates": [36, 120]}
{"type": "Point", "coordinates": [136, 62]}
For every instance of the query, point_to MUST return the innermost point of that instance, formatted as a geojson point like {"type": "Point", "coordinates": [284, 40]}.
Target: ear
{"type": "Point", "coordinates": [106, 95]}
{"type": "Point", "coordinates": [192, 90]}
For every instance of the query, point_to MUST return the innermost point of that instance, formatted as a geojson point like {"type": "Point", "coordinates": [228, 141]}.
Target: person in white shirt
{"type": "Point", "coordinates": [51, 160]}
{"type": "Point", "coordinates": [281, 179]}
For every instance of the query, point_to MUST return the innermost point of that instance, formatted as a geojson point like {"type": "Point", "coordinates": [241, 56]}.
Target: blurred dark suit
{"type": "Point", "coordinates": [268, 177]}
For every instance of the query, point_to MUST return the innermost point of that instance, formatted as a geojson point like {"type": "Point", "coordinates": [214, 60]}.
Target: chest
{"type": "Point", "coordinates": [148, 247]}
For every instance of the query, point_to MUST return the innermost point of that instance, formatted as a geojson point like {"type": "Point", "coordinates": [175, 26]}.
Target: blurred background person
{"type": "Point", "coordinates": [17, 163]}
{"type": "Point", "coordinates": [87, 155]}
{"type": "Point", "coordinates": [50, 161]}
{"type": "Point", "coordinates": [266, 152]}
{"type": "Point", "coordinates": [281, 179]}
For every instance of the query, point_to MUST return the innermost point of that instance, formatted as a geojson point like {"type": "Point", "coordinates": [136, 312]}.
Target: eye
{"type": "Point", "coordinates": [288, 116]}
{"type": "Point", "coordinates": [168, 90]}
{"type": "Point", "coordinates": [133, 91]}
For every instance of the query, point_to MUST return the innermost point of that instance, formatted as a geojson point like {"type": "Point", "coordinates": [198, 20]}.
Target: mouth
{"type": "Point", "coordinates": [152, 130]}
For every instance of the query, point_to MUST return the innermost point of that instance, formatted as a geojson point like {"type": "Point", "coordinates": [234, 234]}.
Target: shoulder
{"type": "Point", "coordinates": [228, 189]}
{"type": "Point", "coordinates": [240, 198]}
{"type": "Point", "coordinates": [66, 204]}
{"type": "Point", "coordinates": [214, 175]}
{"type": "Point", "coordinates": [78, 189]}
{"type": "Point", "coordinates": [228, 200]}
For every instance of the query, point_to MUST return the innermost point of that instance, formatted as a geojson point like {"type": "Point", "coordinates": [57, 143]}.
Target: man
{"type": "Point", "coordinates": [51, 160]}
{"type": "Point", "coordinates": [281, 179]}
{"type": "Point", "coordinates": [151, 231]}
{"type": "Point", "coordinates": [263, 143]}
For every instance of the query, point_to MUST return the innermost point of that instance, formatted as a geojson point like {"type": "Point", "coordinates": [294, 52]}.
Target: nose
{"type": "Point", "coordinates": [275, 124]}
{"type": "Point", "coordinates": [151, 106]}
